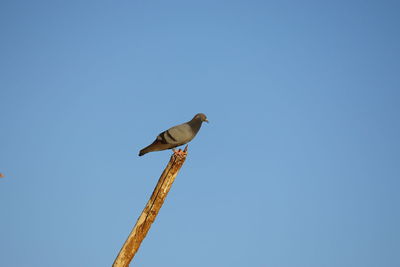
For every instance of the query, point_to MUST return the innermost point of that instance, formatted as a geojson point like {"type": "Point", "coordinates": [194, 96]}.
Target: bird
{"type": "Point", "coordinates": [177, 135]}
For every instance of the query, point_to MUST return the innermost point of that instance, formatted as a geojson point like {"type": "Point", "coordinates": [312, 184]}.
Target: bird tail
{"type": "Point", "coordinates": [145, 150]}
{"type": "Point", "coordinates": [157, 145]}
{"type": "Point", "coordinates": [142, 152]}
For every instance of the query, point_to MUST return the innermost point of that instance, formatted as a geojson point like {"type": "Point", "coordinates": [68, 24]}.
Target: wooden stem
{"type": "Point", "coordinates": [151, 210]}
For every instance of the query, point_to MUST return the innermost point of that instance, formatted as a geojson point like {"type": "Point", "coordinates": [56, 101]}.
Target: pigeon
{"type": "Point", "coordinates": [177, 135]}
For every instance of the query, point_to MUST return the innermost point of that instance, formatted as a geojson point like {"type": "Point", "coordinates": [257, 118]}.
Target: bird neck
{"type": "Point", "coordinates": [195, 124]}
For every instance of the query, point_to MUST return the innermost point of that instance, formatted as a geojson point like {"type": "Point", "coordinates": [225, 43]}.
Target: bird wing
{"type": "Point", "coordinates": [177, 135]}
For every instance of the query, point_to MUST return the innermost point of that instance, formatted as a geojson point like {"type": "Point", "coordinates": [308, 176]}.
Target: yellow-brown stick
{"type": "Point", "coordinates": [151, 210]}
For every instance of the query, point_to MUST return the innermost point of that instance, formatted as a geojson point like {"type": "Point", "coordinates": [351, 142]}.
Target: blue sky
{"type": "Point", "coordinates": [299, 165]}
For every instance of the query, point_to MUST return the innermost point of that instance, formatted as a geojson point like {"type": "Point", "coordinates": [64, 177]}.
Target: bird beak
{"type": "Point", "coordinates": [206, 121]}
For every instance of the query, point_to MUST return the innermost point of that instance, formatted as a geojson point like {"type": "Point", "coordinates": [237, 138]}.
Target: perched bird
{"type": "Point", "coordinates": [177, 135]}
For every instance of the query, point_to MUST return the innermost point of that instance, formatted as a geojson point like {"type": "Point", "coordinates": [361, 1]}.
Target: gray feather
{"type": "Point", "coordinates": [177, 135]}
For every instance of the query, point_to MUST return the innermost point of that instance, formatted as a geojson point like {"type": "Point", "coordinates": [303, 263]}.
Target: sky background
{"type": "Point", "coordinates": [299, 166]}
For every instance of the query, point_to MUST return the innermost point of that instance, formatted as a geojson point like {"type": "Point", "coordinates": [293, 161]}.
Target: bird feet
{"type": "Point", "coordinates": [180, 151]}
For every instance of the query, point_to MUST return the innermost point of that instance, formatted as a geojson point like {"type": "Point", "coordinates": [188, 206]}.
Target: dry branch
{"type": "Point", "coordinates": [151, 210]}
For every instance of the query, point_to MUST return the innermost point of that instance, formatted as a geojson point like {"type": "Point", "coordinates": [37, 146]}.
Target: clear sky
{"type": "Point", "coordinates": [299, 166]}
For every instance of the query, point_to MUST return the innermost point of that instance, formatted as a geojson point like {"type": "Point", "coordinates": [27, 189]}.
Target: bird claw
{"type": "Point", "coordinates": [180, 152]}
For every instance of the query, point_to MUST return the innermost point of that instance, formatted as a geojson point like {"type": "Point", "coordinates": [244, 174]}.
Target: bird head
{"type": "Point", "coordinates": [201, 116]}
